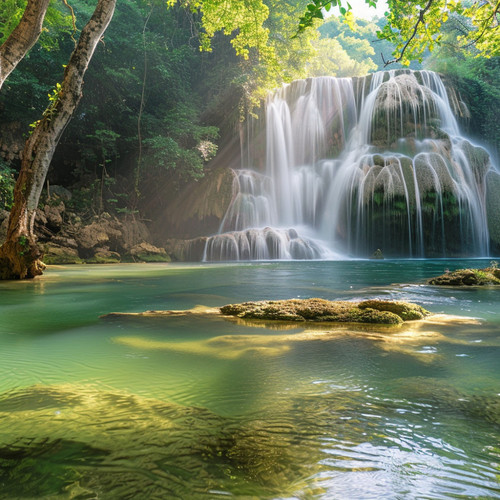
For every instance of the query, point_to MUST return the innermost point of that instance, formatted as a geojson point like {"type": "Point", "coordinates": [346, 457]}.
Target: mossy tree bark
{"type": "Point", "coordinates": [22, 38]}
{"type": "Point", "coordinates": [20, 255]}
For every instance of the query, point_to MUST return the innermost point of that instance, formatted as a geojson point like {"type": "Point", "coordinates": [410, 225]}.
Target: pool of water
{"type": "Point", "coordinates": [200, 407]}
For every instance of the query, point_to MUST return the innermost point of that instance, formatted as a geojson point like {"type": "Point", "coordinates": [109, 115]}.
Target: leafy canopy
{"type": "Point", "coordinates": [56, 21]}
{"type": "Point", "coordinates": [415, 25]}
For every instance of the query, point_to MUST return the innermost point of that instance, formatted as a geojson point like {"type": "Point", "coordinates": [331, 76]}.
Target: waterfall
{"type": "Point", "coordinates": [352, 165]}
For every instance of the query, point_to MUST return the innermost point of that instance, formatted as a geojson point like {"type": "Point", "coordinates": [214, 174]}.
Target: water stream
{"type": "Point", "coordinates": [352, 165]}
{"type": "Point", "coordinates": [199, 407]}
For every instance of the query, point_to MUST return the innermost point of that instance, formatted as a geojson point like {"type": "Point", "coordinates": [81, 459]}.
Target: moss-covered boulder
{"type": "Point", "coordinates": [56, 254]}
{"type": "Point", "coordinates": [407, 311]}
{"type": "Point", "coordinates": [145, 252]}
{"type": "Point", "coordinates": [104, 256]}
{"type": "Point", "coordinates": [468, 277]}
{"type": "Point", "coordinates": [372, 311]}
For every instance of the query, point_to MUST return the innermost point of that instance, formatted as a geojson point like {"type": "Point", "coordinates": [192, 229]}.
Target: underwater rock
{"type": "Point", "coordinates": [468, 277]}
{"type": "Point", "coordinates": [113, 444]}
{"type": "Point", "coordinates": [450, 400]}
{"type": "Point", "coordinates": [374, 311]}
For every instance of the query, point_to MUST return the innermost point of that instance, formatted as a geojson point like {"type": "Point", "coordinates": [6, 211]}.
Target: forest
{"type": "Point", "coordinates": [170, 87]}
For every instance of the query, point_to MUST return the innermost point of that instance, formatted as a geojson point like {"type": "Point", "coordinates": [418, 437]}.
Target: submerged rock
{"type": "Point", "coordinates": [115, 444]}
{"type": "Point", "coordinates": [468, 277]}
{"type": "Point", "coordinates": [371, 311]}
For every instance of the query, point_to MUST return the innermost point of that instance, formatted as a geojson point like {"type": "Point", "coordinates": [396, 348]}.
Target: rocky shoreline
{"type": "Point", "coordinates": [66, 238]}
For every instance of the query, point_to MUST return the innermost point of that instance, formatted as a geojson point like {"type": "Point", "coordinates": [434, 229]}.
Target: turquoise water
{"type": "Point", "coordinates": [200, 407]}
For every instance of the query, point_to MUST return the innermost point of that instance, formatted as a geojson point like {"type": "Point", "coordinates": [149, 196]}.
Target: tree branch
{"type": "Point", "coordinates": [24, 36]}
{"type": "Point", "coordinates": [415, 28]}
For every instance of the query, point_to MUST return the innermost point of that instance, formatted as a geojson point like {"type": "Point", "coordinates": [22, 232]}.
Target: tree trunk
{"type": "Point", "coordinates": [20, 255]}
{"type": "Point", "coordinates": [22, 38]}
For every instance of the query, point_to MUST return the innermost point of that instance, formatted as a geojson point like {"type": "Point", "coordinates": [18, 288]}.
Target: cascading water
{"type": "Point", "coordinates": [355, 165]}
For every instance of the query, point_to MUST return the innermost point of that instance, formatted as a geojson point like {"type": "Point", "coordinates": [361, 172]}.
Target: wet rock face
{"type": "Point", "coordinates": [403, 108]}
{"type": "Point", "coordinates": [191, 250]}
{"type": "Point", "coordinates": [493, 210]}
{"type": "Point", "coordinates": [370, 311]}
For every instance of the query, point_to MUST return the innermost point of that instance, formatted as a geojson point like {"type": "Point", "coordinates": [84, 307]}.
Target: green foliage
{"type": "Point", "coordinates": [415, 26]}
{"type": "Point", "coordinates": [102, 145]}
{"type": "Point", "coordinates": [166, 153]}
{"type": "Point", "coordinates": [333, 60]}
{"type": "Point", "coordinates": [7, 183]}
{"type": "Point", "coordinates": [476, 79]}
{"type": "Point", "coordinates": [342, 51]}
{"type": "Point", "coordinates": [57, 21]}
{"type": "Point", "coordinates": [292, 52]}
{"type": "Point", "coordinates": [243, 21]}
{"type": "Point", "coordinates": [315, 10]}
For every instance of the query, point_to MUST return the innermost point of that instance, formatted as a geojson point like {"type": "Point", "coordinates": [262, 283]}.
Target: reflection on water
{"type": "Point", "coordinates": [194, 406]}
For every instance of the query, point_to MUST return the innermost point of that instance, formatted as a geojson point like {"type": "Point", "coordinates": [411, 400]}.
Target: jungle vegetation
{"type": "Point", "coordinates": [169, 85]}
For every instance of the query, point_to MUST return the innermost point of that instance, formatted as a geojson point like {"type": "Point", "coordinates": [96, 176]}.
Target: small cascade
{"type": "Point", "coordinates": [262, 244]}
{"type": "Point", "coordinates": [355, 165]}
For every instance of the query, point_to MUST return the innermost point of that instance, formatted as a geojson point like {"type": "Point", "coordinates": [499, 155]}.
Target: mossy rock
{"type": "Point", "coordinates": [153, 257]}
{"type": "Point", "coordinates": [56, 255]}
{"type": "Point", "coordinates": [104, 257]}
{"type": "Point", "coordinates": [407, 311]}
{"type": "Point", "coordinates": [377, 254]}
{"type": "Point", "coordinates": [374, 311]}
{"type": "Point", "coordinates": [468, 277]}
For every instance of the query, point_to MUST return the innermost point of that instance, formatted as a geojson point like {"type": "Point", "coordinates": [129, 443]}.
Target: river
{"type": "Point", "coordinates": [200, 407]}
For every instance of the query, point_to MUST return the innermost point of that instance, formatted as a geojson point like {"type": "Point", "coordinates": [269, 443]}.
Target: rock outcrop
{"type": "Point", "coordinates": [368, 311]}
{"type": "Point", "coordinates": [104, 239]}
{"type": "Point", "coordinates": [468, 277]}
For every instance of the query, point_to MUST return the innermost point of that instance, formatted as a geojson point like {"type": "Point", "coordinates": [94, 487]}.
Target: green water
{"type": "Point", "coordinates": [199, 407]}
